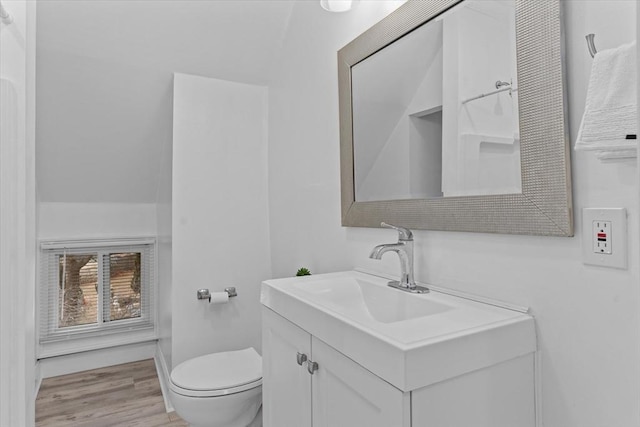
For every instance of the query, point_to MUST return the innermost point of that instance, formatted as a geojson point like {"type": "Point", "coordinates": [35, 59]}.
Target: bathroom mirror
{"type": "Point", "coordinates": [452, 118]}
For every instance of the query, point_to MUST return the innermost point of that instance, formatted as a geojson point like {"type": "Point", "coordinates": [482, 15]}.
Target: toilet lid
{"type": "Point", "coordinates": [218, 371]}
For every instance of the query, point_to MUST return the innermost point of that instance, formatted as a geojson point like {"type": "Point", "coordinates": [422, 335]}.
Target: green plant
{"type": "Point", "coordinates": [302, 271]}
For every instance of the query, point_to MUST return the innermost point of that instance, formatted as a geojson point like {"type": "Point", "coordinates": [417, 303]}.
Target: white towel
{"type": "Point", "coordinates": [611, 108]}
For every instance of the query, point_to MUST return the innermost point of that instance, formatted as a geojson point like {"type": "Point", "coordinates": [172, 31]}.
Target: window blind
{"type": "Point", "coordinates": [96, 289]}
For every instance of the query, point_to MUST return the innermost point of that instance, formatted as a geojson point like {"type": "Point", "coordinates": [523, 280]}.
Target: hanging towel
{"type": "Point", "coordinates": [610, 112]}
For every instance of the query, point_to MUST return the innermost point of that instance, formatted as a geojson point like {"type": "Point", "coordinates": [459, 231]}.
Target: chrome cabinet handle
{"type": "Point", "coordinates": [312, 367]}
{"type": "Point", "coordinates": [301, 358]}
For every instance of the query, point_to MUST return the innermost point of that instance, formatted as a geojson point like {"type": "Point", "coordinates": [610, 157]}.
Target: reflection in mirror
{"type": "Point", "coordinates": [436, 112]}
{"type": "Point", "coordinates": [484, 149]}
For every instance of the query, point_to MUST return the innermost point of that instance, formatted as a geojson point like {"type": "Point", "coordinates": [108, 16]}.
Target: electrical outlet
{"type": "Point", "coordinates": [604, 237]}
{"type": "Point", "coordinates": [601, 237]}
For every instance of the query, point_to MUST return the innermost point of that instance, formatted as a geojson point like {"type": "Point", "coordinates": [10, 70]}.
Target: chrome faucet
{"type": "Point", "coordinates": [404, 249]}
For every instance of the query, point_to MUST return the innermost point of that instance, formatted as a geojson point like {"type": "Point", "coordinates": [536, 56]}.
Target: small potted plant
{"type": "Point", "coordinates": [303, 271]}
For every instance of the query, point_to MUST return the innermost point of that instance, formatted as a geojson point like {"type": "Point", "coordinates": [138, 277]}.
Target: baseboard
{"type": "Point", "coordinates": [95, 359]}
{"type": "Point", "coordinates": [538, 387]}
{"type": "Point", "coordinates": [163, 375]}
{"type": "Point", "coordinates": [38, 380]}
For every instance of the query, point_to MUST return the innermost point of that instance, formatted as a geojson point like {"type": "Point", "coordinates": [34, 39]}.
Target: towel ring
{"type": "Point", "coordinates": [591, 45]}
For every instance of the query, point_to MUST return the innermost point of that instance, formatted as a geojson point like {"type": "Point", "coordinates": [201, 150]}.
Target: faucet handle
{"type": "Point", "coordinates": [403, 233]}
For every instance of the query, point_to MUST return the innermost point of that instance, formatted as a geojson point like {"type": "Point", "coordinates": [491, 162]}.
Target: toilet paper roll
{"type": "Point", "coordinates": [219, 297]}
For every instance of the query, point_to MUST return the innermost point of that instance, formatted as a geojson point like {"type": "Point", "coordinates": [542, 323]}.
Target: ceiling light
{"type": "Point", "coordinates": [336, 5]}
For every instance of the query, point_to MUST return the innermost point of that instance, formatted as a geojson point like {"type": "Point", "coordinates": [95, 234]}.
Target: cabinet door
{"type": "Point", "coordinates": [286, 386]}
{"type": "Point", "coordinates": [344, 394]}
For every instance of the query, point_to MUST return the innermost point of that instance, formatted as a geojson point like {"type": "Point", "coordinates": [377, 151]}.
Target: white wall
{"type": "Point", "coordinates": [105, 73]}
{"type": "Point", "coordinates": [17, 216]}
{"type": "Point", "coordinates": [163, 224]}
{"type": "Point", "coordinates": [96, 220]}
{"type": "Point", "coordinates": [588, 318]}
{"type": "Point", "coordinates": [220, 216]}
{"type": "Point", "coordinates": [304, 174]}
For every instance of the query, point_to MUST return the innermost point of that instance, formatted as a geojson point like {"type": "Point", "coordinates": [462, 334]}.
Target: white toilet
{"type": "Point", "coordinates": [219, 389]}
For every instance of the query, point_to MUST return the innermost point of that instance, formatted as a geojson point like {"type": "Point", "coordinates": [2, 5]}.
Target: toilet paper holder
{"type": "Point", "coordinates": [206, 294]}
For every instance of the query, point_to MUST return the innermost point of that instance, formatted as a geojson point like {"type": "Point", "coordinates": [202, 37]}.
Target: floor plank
{"type": "Point", "coordinates": [122, 395]}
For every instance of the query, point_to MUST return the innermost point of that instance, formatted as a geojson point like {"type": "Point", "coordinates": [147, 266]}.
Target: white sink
{"type": "Point", "coordinates": [364, 301]}
{"type": "Point", "coordinates": [409, 340]}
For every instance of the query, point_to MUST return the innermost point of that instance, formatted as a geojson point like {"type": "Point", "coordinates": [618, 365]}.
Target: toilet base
{"type": "Point", "coordinates": [233, 410]}
{"type": "Point", "coordinates": [257, 421]}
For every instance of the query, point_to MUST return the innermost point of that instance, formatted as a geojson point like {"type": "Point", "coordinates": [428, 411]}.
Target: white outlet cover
{"type": "Point", "coordinates": [617, 238]}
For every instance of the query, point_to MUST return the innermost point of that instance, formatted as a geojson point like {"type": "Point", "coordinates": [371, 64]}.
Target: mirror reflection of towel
{"type": "Point", "coordinates": [611, 107]}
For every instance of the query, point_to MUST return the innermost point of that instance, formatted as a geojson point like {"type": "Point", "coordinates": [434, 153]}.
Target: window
{"type": "Point", "coordinates": [94, 288]}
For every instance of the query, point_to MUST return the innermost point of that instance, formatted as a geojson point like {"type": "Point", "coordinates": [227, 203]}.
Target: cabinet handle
{"type": "Point", "coordinates": [301, 358]}
{"type": "Point", "coordinates": [312, 367]}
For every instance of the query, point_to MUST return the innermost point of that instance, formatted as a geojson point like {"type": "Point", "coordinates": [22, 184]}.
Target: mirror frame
{"type": "Point", "coordinates": [544, 207]}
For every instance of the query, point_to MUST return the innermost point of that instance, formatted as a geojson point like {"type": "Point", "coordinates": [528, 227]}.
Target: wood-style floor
{"type": "Point", "coordinates": [122, 395]}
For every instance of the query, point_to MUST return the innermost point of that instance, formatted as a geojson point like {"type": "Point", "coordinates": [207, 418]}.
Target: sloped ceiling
{"type": "Point", "coordinates": [104, 73]}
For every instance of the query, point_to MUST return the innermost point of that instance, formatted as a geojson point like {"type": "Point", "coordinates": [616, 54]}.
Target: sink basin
{"type": "Point", "coordinates": [409, 340]}
{"type": "Point", "coordinates": [364, 301]}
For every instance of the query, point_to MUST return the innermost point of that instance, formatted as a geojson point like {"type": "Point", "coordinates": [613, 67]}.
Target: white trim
{"type": "Point", "coordinates": [13, 270]}
{"type": "Point", "coordinates": [637, 162]}
{"type": "Point", "coordinates": [95, 359]}
{"type": "Point", "coordinates": [81, 332]}
{"type": "Point", "coordinates": [100, 342]}
{"type": "Point", "coordinates": [163, 376]}
{"type": "Point", "coordinates": [18, 221]}
{"type": "Point", "coordinates": [100, 303]}
{"type": "Point", "coordinates": [95, 243]}
{"type": "Point", "coordinates": [537, 383]}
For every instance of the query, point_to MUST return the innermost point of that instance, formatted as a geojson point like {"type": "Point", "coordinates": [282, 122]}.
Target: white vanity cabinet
{"type": "Point", "coordinates": [286, 385]}
{"type": "Point", "coordinates": [387, 358]}
{"type": "Point", "coordinates": [340, 393]}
